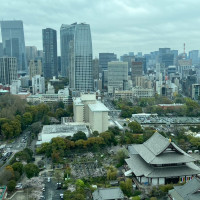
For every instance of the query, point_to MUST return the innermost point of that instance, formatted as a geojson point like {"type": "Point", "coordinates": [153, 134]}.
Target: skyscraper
{"type": "Point", "coordinates": [31, 53]}
{"type": "Point", "coordinates": [117, 75]}
{"type": "Point", "coordinates": [104, 58]}
{"type": "Point", "coordinates": [13, 42]}
{"type": "Point", "coordinates": [50, 53]}
{"type": "Point", "coordinates": [76, 55]}
{"type": "Point", "coordinates": [1, 49]}
{"type": "Point", "coordinates": [8, 70]}
{"type": "Point", "coordinates": [136, 71]}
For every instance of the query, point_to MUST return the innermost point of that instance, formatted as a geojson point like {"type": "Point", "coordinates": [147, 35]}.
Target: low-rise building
{"type": "Point", "coordinates": [142, 92]}
{"type": "Point", "coordinates": [61, 130]}
{"type": "Point", "coordinates": [3, 192]}
{"type": "Point", "coordinates": [123, 94]}
{"type": "Point", "coordinates": [62, 95]}
{"type": "Point", "coordinates": [159, 161]}
{"type": "Point", "coordinates": [108, 194]}
{"type": "Point", "coordinates": [189, 191]}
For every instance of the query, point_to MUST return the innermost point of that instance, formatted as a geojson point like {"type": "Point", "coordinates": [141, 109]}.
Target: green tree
{"type": "Point", "coordinates": [18, 166]}
{"type": "Point", "coordinates": [120, 156]}
{"type": "Point", "coordinates": [11, 185]}
{"type": "Point", "coordinates": [76, 195]}
{"type": "Point", "coordinates": [31, 170]}
{"type": "Point", "coordinates": [126, 187]}
{"type": "Point", "coordinates": [7, 130]}
{"type": "Point", "coordinates": [79, 136]}
{"type": "Point", "coordinates": [111, 173]}
{"type": "Point", "coordinates": [135, 127]}
{"type": "Point", "coordinates": [27, 118]}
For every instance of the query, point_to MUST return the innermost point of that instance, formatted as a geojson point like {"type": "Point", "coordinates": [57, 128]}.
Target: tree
{"type": "Point", "coordinates": [31, 170]}
{"type": "Point", "coordinates": [58, 176]}
{"type": "Point", "coordinates": [126, 187]}
{"type": "Point", "coordinates": [18, 166]}
{"type": "Point", "coordinates": [45, 120]}
{"type": "Point", "coordinates": [7, 130]}
{"type": "Point", "coordinates": [79, 184]}
{"type": "Point", "coordinates": [79, 136]}
{"type": "Point", "coordinates": [11, 185]}
{"type": "Point", "coordinates": [120, 156]}
{"type": "Point", "coordinates": [135, 127]}
{"type": "Point", "coordinates": [111, 173]}
{"type": "Point", "coordinates": [27, 118]}
{"type": "Point", "coordinates": [76, 195]}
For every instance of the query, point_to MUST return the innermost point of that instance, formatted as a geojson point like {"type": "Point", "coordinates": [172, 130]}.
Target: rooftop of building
{"type": "Point", "coordinates": [98, 107]}
{"type": "Point", "coordinates": [160, 150]}
{"type": "Point", "coordinates": [64, 128]}
{"type": "Point", "coordinates": [108, 194]}
{"type": "Point", "coordinates": [171, 105]}
{"type": "Point", "coordinates": [77, 101]}
{"type": "Point", "coordinates": [2, 192]}
{"type": "Point", "coordinates": [159, 157]}
{"type": "Point", "coordinates": [189, 191]}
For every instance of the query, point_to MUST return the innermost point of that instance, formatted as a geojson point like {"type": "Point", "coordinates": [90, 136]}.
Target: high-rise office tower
{"type": "Point", "coordinates": [59, 64]}
{"type": "Point", "coordinates": [117, 75]}
{"type": "Point", "coordinates": [31, 53]}
{"type": "Point", "coordinates": [136, 71]}
{"type": "Point", "coordinates": [8, 70]}
{"type": "Point", "coordinates": [1, 49]}
{"type": "Point", "coordinates": [76, 55]}
{"type": "Point", "coordinates": [35, 68]}
{"type": "Point", "coordinates": [13, 42]}
{"type": "Point", "coordinates": [50, 68]}
{"type": "Point", "coordinates": [128, 58]}
{"type": "Point", "coordinates": [104, 58]}
{"type": "Point", "coordinates": [194, 56]}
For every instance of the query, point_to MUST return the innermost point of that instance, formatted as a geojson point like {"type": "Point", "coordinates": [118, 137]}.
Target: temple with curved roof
{"type": "Point", "coordinates": [159, 161]}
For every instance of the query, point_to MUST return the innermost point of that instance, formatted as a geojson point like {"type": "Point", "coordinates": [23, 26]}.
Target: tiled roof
{"type": "Point", "coordinates": [108, 194]}
{"type": "Point", "coordinates": [189, 191]}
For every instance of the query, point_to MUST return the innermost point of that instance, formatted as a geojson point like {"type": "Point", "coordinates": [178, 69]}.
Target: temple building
{"type": "Point", "coordinates": [159, 161]}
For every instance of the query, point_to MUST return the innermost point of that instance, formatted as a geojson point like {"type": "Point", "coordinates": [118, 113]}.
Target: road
{"type": "Point", "coordinates": [51, 193]}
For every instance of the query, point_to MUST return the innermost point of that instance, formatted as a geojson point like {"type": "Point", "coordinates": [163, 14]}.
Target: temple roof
{"type": "Point", "coordinates": [189, 191]}
{"type": "Point", "coordinates": [154, 151]}
{"type": "Point", "coordinates": [140, 168]}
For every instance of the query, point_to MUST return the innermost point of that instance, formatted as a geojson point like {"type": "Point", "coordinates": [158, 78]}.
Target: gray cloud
{"type": "Point", "coordinates": [117, 26]}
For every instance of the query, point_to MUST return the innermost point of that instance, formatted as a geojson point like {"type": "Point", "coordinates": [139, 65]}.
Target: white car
{"type": "Point", "coordinates": [48, 179]}
{"type": "Point", "coordinates": [61, 196]}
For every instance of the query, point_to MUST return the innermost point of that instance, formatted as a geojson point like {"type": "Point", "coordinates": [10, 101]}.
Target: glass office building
{"type": "Point", "coordinates": [50, 67]}
{"type": "Point", "coordinates": [13, 42]}
{"type": "Point", "coordinates": [76, 55]}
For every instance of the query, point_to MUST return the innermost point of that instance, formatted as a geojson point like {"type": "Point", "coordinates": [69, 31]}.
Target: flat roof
{"type": "Point", "coordinates": [98, 107]}
{"type": "Point", "coordinates": [77, 101]}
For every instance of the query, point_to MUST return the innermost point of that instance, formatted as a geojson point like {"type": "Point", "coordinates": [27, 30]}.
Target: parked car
{"type": "Point", "coordinates": [58, 186]}
{"type": "Point", "coordinates": [48, 179]}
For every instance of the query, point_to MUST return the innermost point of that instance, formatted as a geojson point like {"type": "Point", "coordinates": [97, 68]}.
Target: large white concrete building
{"type": "Point", "coordinates": [88, 109]}
{"type": "Point", "coordinates": [98, 117]}
{"type": "Point", "coordinates": [60, 130]}
{"type": "Point", "coordinates": [62, 95]}
{"type": "Point", "coordinates": [38, 84]}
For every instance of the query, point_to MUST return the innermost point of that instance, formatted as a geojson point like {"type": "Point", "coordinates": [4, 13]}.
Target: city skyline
{"type": "Point", "coordinates": [116, 26]}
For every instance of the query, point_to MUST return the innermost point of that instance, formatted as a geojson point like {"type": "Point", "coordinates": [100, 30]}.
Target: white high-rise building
{"type": "Point", "coordinates": [87, 109]}
{"type": "Point", "coordinates": [38, 84]}
{"type": "Point", "coordinates": [117, 75]}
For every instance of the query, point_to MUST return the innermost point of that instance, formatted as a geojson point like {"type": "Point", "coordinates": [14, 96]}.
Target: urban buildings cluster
{"type": "Point", "coordinates": [25, 68]}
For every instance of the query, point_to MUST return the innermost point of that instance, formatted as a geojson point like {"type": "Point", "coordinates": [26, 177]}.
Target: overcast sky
{"type": "Point", "coordinates": [118, 26]}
